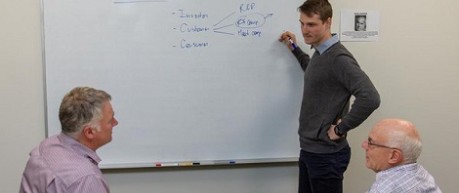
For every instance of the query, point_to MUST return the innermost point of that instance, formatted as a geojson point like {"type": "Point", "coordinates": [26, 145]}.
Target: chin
{"type": "Point", "coordinates": [371, 168]}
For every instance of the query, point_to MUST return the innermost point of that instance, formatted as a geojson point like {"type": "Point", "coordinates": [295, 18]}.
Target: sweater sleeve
{"type": "Point", "coordinates": [302, 57]}
{"type": "Point", "coordinates": [366, 96]}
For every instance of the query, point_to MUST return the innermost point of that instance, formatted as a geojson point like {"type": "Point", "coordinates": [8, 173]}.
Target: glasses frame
{"type": "Point", "coordinates": [371, 143]}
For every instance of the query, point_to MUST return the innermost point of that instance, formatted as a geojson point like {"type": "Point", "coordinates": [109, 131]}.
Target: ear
{"type": "Point", "coordinates": [328, 22]}
{"type": "Point", "coordinates": [89, 132]}
{"type": "Point", "coordinates": [396, 157]}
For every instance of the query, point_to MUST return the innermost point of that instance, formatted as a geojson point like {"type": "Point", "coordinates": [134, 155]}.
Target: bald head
{"type": "Point", "coordinates": [401, 134]}
{"type": "Point", "coordinates": [397, 127]}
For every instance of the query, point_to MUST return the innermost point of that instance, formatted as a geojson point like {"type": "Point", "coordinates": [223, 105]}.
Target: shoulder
{"type": "Point", "coordinates": [65, 161]}
{"type": "Point", "coordinates": [339, 49]}
{"type": "Point", "coordinates": [341, 57]}
{"type": "Point", "coordinates": [406, 178]}
{"type": "Point", "coordinates": [66, 167]}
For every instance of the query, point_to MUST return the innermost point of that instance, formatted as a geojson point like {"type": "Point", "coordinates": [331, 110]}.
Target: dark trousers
{"type": "Point", "coordinates": [323, 173]}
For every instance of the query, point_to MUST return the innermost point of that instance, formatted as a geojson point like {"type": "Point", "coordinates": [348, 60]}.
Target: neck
{"type": "Point", "coordinates": [327, 36]}
{"type": "Point", "coordinates": [86, 142]}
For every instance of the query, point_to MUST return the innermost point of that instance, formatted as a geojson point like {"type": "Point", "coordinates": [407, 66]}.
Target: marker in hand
{"type": "Point", "coordinates": [292, 43]}
{"type": "Point", "coordinates": [288, 36]}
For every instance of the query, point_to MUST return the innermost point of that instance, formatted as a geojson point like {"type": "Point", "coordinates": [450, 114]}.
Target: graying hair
{"type": "Point", "coordinates": [410, 146]}
{"type": "Point", "coordinates": [81, 107]}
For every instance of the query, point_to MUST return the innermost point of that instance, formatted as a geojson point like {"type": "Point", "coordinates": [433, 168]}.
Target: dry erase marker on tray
{"type": "Point", "coordinates": [224, 162]}
{"type": "Point", "coordinates": [207, 163]}
{"type": "Point", "coordinates": [185, 164]}
{"type": "Point", "coordinates": [165, 164]}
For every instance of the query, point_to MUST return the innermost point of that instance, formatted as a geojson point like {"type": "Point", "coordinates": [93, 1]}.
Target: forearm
{"type": "Point", "coordinates": [302, 57]}
{"type": "Point", "coordinates": [366, 101]}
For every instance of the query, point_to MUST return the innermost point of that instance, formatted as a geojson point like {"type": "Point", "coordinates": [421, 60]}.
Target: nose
{"type": "Point", "coordinates": [115, 122]}
{"type": "Point", "coordinates": [365, 144]}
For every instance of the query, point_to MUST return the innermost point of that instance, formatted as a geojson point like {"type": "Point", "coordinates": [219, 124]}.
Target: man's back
{"type": "Point", "coordinates": [61, 164]}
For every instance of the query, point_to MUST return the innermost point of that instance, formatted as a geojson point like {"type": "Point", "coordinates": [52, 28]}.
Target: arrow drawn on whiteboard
{"type": "Point", "coordinates": [269, 15]}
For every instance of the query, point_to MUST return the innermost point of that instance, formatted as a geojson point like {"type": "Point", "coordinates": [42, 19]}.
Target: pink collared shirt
{"type": "Point", "coordinates": [60, 164]}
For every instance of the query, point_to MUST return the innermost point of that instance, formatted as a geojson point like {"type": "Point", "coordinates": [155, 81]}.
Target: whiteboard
{"type": "Point", "coordinates": [191, 80]}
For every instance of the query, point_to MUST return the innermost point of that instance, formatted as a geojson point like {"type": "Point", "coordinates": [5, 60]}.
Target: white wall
{"type": "Point", "coordinates": [414, 65]}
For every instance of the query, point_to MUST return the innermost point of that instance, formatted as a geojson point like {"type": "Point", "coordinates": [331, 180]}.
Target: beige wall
{"type": "Point", "coordinates": [414, 66]}
{"type": "Point", "coordinates": [21, 88]}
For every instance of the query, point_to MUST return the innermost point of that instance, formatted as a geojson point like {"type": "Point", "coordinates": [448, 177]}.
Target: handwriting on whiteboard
{"type": "Point", "coordinates": [245, 22]}
{"type": "Point", "coordinates": [193, 27]}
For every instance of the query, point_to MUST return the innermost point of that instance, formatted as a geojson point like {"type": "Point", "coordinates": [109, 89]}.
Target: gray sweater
{"type": "Point", "coordinates": [330, 79]}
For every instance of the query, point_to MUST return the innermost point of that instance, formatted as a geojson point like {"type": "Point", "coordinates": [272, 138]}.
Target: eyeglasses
{"type": "Point", "coordinates": [371, 143]}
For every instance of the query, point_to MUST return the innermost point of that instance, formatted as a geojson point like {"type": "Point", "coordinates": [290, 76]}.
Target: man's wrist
{"type": "Point", "coordinates": [339, 131]}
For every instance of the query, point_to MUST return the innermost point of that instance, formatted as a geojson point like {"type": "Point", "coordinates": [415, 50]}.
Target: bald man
{"type": "Point", "coordinates": [392, 150]}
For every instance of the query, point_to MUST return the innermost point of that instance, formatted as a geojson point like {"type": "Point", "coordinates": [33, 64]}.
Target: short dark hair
{"type": "Point", "coordinates": [320, 7]}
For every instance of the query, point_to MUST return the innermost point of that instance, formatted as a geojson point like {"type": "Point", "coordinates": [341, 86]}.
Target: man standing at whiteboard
{"type": "Point", "coordinates": [67, 162]}
{"type": "Point", "coordinates": [331, 77]}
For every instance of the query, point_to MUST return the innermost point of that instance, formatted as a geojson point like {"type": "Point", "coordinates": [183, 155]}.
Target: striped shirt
{"type": "Point", "coordinates": [60, 164]}
{"type": "Point", "coordinates": [409, 178]}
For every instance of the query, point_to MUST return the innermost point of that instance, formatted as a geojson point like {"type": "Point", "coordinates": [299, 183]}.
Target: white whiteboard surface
{"type": "Point", "coordinates": [191, 80]}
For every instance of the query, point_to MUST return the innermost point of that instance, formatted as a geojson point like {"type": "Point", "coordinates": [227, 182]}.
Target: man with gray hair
{"type": "Point", "coordinates": [68, 162]}
{"type": "Point", "coordinates": [392, 150]}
